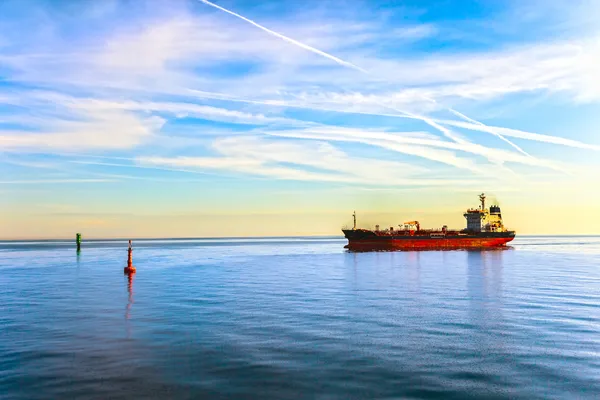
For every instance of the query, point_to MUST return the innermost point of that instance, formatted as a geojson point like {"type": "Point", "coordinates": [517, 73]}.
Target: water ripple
{"type": "Point", "coordinates": [299, 318]}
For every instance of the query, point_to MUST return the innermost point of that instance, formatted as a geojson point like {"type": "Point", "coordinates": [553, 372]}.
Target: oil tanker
{"type": "Point", "coordinates": [484, 230]}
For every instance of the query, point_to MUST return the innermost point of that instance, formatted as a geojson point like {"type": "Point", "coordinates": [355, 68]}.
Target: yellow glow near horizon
{"type": "Point", "coordinates": [536, 220]}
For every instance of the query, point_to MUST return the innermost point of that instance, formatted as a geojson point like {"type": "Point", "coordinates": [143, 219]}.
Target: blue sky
{"type": "Point", "coordinates": [121, 113]}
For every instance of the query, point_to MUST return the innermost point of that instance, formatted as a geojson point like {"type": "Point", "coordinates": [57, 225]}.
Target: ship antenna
{"type": "Point", "coordinates": [482, 198]}
{"type": "Point", "coordinates": [354, 216]}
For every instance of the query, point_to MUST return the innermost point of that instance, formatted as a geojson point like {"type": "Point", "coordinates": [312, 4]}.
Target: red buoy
{"type": "Point", "coordinates": [129, 269]}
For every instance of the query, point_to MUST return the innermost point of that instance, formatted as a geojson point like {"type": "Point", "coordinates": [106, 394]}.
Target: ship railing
{"type": "Point", "coordinates": [402, 231]}
{"type": "Point", "coordinates": [387, 232]}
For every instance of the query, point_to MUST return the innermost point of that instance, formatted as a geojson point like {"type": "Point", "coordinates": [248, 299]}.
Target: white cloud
{"type": "Point", "coordinates": [116, 90]}
{"type": "Point", "coordinates": [181, 110]}
{"type": "Point", "coordinates": [104, 130]}
{"type": "Point", "coordinates": [53, 181]}
{"type": "Point", "coordinates": [193, 51]}
{"type": "Point", "coordinates": [299, 160]}
{"type": "Point", "coordinates": [424, 147]}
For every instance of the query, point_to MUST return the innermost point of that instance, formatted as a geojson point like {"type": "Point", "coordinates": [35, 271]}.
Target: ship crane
{"type": "Point", "coordinates": [414, 223]}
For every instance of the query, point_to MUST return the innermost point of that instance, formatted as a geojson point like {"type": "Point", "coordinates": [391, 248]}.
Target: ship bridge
{"type": "Point", "coordinates": [483, 220]}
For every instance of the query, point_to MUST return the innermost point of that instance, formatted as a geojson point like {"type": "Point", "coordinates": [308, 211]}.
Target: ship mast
{"type": "Point", "coordinates": [354, 217]}
{"type": "Point", "coordinates": [482, 199]}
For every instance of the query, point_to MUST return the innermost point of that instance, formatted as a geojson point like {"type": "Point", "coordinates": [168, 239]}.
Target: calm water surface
{"type": "Point", "coordinates": [299, 319]}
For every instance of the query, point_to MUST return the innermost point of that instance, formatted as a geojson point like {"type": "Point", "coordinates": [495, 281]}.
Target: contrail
{"type": "Point", "coordinates": [407, 145]}
{"type": "Point", "coordinates": [465, 125]}
{"type": "Point", "coordinates": [488, 129]}
{"type": "Point", "coordinates": [428, 121]}
{"type": "Point", "coordinates": [447, 132]}
{"type": "Point", "coordinates": [523, 135]}
{"type": "Point", "coordinates": [406, 114]}
{"type": "Point", "coordinates": [290, 40]}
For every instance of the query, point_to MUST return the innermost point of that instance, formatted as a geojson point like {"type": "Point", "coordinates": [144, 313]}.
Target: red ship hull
{"type": "Point", "coordinates": [364, 240]}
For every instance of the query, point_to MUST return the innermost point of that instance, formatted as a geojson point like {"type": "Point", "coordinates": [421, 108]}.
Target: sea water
{"type": "Point", "coordinates": [299, 318]}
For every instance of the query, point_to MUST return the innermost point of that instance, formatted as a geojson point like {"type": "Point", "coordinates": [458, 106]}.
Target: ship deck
{"type": "Point", "coordinates": [362, 239]}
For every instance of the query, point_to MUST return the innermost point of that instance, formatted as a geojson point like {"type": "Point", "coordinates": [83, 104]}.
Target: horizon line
{"type": "Point", "coordinates": [316, 236]}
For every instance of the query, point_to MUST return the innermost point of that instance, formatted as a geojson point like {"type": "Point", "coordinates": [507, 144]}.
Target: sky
{"type": "Point", "coordinates": [190, 118]}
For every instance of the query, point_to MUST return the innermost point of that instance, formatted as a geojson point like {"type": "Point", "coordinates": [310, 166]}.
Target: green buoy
{"type": "Point", "coordinates": [78, 240]}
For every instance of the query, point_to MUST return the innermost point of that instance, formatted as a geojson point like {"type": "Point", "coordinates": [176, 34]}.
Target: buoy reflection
{"type": "Point", "coordinates": [130, 295]}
